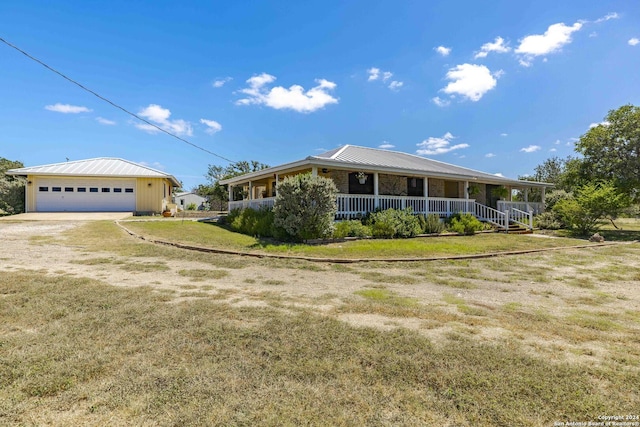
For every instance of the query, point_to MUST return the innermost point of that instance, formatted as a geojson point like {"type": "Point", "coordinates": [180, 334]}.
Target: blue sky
{"type": "Point", "coordinates": [496, 86]}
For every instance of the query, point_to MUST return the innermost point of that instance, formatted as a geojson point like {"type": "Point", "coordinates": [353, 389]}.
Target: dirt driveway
{"type": "Point", "coordinates": [555, 283]}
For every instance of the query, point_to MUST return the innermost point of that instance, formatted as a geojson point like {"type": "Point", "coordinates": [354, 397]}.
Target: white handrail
{"type": "Point", "coordinates": [521, 217]}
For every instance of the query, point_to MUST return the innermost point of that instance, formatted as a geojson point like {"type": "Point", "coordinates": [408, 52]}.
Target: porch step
{"type": "Point", "coordinates": [515, 229]}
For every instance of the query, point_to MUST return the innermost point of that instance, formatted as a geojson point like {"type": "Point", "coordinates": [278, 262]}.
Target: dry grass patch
{"type": "Point", "coordinates": [200, 275]}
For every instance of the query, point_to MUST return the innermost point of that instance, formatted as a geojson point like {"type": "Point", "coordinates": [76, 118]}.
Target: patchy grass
{"type": "Point", "coordinates": [199, 275]}
{"type": "Point", "coordinates": [210, 235]}
{"type": "Point", "coordinates": [387, 297]}
{"type": "Point", "coordinates": [377, 277]}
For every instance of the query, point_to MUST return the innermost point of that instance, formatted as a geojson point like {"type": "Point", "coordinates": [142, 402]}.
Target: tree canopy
{"type": "Point", "coordinates": [11, 188]}
{"type": "Point", "coordinates": [215, 174]}
{"type": "Point", "coordinates": [611, 151]}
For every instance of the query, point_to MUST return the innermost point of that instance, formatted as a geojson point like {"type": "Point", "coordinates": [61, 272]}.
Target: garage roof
{"type": "Point", "coordinates": [100, 167]}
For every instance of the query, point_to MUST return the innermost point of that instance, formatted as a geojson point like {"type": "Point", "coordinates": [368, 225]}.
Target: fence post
{"type": "Point", "coordinates": [531, 220]}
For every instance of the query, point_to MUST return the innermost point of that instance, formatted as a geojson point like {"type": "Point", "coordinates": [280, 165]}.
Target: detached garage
{"type": "Point", "coordinates": [96, 185]}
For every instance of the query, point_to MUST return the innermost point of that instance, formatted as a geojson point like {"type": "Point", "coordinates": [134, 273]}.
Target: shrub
{"type": "Point", "coordinates": [592, 203]}
{"type": "Point", "coordinates": [431, 224]}
{"type": "Point", "coordinates": [192, 207]}
{"type": "Point", "coordinates": [305, 207]}
{"type": "Point", "coordinates": [464, 223]}
{"type": "Point", "coordinates": [252, 222]}
{"type": "Point", "coordinates": [352, 228]}
{"type": "Point", "coordinates": [548, 221]}
{"type": "Point", "coordinates": [392, 223]}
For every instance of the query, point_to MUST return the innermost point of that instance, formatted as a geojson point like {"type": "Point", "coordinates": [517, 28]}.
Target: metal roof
{"type": "Point", "coordinates": [373, 159]}
{"type": "Point", "coordinates": [100, 167]}
{"type": "Point", "coordinates": [351, 154]}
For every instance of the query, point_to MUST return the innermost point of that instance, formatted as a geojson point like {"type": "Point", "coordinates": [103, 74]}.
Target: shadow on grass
{"type": "Point", "coordinates": [261, 242]}
{"type": "Point", "coordinates": [620, 235]}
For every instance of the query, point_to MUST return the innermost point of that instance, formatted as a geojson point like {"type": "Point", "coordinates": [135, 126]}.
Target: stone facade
{"type": "Point", "coordinates": [341, 179]}
{"type": "Point", "coordinates": [436, 187]}
{"type": "Point", "coordinates": [392, 185]}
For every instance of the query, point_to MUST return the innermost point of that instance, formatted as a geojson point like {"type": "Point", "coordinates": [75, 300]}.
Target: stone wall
{"type": "Point", "coordinates": [341, 179]}
{"type": "Point", "coordinates": [392, 185]}
{"type": "Point", "coordinates": [436, 187]}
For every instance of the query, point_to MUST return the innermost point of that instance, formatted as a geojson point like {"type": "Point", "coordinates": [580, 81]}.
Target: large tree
{"type": "Point", "coordinates": [218, 193]}
{"type": "Point", "coordinates": [611, 151]}
{"type": "Point", "coordinates": [11, 188]}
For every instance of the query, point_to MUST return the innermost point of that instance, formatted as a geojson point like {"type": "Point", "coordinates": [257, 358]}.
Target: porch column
{"type": "Point", "coordinates": [542, 198]}
{"type": "Point", "coordinates": [425, 191]}
{"type": "Point", "coordinates": [376, 202]}
{"type": "Point", "coordinates": [466, 190]}
{"type": "Point", "coordinates": [250, 190]}
{"type": "Point", "coordinates": [230, 189]}
{"type": "Point", "coordinates": [314, 171]}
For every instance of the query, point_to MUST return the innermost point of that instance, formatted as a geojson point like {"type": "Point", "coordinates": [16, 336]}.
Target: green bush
{"type": "Point", "coordinates": [431, 224]}
{"type": "Point", "coordinates": [547, 221]}
{"type": "Point", "coordinates": [352, 228]}
{"type": "Point", "coordinates": [393, 223]}
{"type": "Point", "coordinates": [252, 222]}
{"type": "Point", "coordinates": [464, 223]}
{"type": "Point", "coordinates": [192, 207]}
{"type": "Point", "coordinates": [305, 207]}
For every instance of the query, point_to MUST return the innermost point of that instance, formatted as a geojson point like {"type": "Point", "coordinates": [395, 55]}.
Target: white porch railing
{"type": "Point", "coordinates": [352, 206]}
{"type": "Point", "coordinates": [536, 207]}
{"type": "Point", "coordinates": [253, 204]}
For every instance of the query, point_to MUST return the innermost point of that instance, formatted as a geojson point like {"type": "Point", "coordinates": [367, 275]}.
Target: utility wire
{"type": "Point", "coordinates": [112, 103]}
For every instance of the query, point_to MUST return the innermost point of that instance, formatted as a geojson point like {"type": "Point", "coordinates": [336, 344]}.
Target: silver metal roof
{"type": "Point", "coordinates": [373, 159]}
{"type": "Point", "coordinates": [100, 167]}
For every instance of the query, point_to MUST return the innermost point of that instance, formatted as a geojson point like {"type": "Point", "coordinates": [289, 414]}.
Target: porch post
{"type": "Point", "coordinates": [250, 190]}
{"type": "Point", "coordinates": [314, 171]}
{"type": "Point", "coordinates": [376, 200]}
{"type": "Point", "coordinates": [542, 198]}
{"type": "Point", "coordinates": [230, 189]}
{"type": "Point", "coordinates": [425, 191]}
{"type": "Point", "coordinates": [466, 190]}
{"type": "Point", "coordinates": [526, 195]}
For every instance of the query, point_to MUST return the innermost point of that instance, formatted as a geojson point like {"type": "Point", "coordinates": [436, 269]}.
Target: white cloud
{"type": "Point", "coordinates": [608, 16]}
{"type": "Point", "coordinates": [212, 126]}
{"type": "Point", "coordinates": [386, 75]}
{"type": "Point", "coordinates": [160, 116]}
{"type": "Point", "coordinates": [104, 121]}
{"type": "Point", "coordinates": [593, 34]}
{"type": "Point", "coordinates": [556, 36]}
{"type": "Point", "coordinates": [395, 85]}
{"type": "Point", "coordinates": [553, 150]}
{"type": "Point", "coordinates": [489, 155]}
{"type": "Point", "coordinates": [634, 41]}
{"type": "Point", "coordinates": [386, 145]}
{"type": "Point", "coordinates": [471, 81]}
{"type": "Point", "coordinates": [557, 142]}
{"type": "Point", "coordinates": [67, 109]}
{"type": "Point", "coordinates": [433, 145]}
{"type": "Point", "coordinates": [293, 98]}
{"type": "Point", "coordinates": [374, 73]}
{"type": "Point", "coordinates": [499, 174]}
{"type": "Point", "coordinates": [221, 82]}
{"type": "Point", "coordinates": [593, 125]}
{"type": "Point", "coordinates": [498, 46]}
{"type": "Point", "coordinates": [504, 134]}
{"type": "Point", "coordinates": [444, 51]}
{"type": "Point", "coordinates": [441, 102]}
{"type": "Point", "coordinates": [531, 149]}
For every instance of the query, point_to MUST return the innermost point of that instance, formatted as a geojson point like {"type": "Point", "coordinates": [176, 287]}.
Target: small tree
{"type": "Point", "coordinates": [591, 204]}
{"type": "Point", "coordinates": [11, 188]}
{"type": "Point", "coordinates": [305, 206]}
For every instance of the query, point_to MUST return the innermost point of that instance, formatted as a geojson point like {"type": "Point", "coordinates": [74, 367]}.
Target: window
{"type": "Point", "coordinates": [56, 189]}
{"type": "Point", "coordinates": [82, 189]}
{"type": "Point", "coordinates": [93, 190]}
{"type": "Point", "coordinates": [117, 190]}
{"type": "Point", "coordinates": [128, 190]}
{"type": "Point", "coordinates": [415, 187]}
{"type": "Point", "coordinates": [68, 189]}
{"type": "Point", "coordinates": [355, 185]}
{"type": "Point", "coordinates": [43, 188]}
{"type": "Point", "coordinates": [106, 189]}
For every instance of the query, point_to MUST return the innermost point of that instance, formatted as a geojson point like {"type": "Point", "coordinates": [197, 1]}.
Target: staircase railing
{"type": "Point", "coordinates": [521, 217]}
{"type": "Point", "coordinates": [494, 216]}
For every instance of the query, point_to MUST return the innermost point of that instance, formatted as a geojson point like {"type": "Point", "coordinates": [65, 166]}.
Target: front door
{"type": "Point", "coordinates": [492, 199]}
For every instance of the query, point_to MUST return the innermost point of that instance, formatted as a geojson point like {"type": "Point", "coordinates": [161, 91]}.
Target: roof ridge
{"type": "Point", "coordinates": [340, 151]}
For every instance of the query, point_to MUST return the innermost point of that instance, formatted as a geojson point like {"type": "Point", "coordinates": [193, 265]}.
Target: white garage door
{"type": "Point", "coordinates": [85, 195]}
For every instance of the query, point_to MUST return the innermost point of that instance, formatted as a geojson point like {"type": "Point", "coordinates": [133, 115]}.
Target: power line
{"type": "Point", "coordinates": [112, 103]}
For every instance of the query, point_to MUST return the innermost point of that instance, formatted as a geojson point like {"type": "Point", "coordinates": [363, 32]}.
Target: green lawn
{"type": "Point", "coordinates": [214, 236]}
